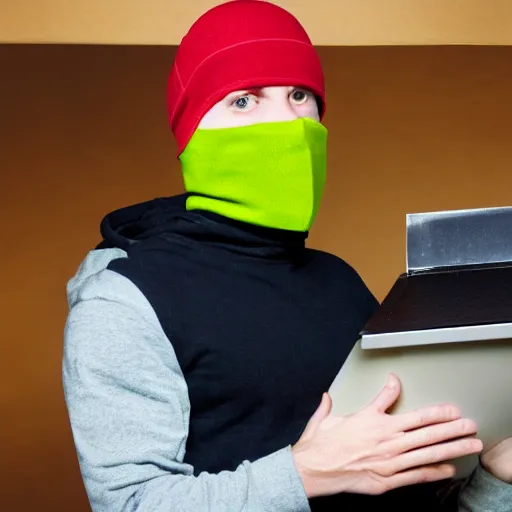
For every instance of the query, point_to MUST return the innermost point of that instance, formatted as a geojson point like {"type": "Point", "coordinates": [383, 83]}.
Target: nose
{"type": "Point", "coordinates": [284, 111]}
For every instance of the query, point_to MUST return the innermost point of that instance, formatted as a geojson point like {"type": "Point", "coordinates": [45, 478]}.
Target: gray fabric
{"type": "Point", "coordinates": [484, 493]}
{"type": "Point", "coordinates": [129, 410]}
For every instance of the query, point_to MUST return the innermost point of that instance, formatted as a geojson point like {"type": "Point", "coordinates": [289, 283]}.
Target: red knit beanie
{"type": "Point", "coordinates": [237, 45]}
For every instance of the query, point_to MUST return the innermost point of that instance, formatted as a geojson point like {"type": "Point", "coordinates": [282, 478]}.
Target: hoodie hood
{"type": "Point", "coordinates": [125, 226]}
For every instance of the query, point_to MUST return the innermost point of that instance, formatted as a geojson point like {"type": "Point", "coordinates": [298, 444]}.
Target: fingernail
{"type": "Point", "coordinates": [391, 381]}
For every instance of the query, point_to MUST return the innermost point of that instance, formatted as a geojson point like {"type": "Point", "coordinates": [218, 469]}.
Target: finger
{"type": "Point", "coordinates": [436, 454]}
{"type": "Point", "coordinates": [388, 395]}
{"type": "Point", "coordinates": [426, 416]}
{"type": "Point", "coordinates": [426, 474]}
{"type": "Point", "coordinates": [429, 435]}
{"type": "Point", "coordinates": [322, 411]}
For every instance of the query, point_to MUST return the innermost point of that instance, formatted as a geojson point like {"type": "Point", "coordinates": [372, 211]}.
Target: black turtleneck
{"type": "Point", "coordinates": [260, 324]}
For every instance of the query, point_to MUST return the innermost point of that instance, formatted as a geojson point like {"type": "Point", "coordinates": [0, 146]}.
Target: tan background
{"type": "Point", "coordinates": [83, 131]}
{"type": "Point", "coordinates": [329, 22]}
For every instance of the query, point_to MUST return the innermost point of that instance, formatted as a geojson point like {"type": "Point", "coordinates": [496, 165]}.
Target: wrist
{"type": "Point", "coordinates": [308, 481]}
{"type": "Point", "coordinates": [316, 482]}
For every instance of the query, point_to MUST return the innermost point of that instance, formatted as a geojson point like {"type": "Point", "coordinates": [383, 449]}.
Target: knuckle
{"type": "Point", "coordinates": [382, 483]}
{"type": "Point", "coordinates": [386, 469]}
{"type": "Point", "coordinates": [444, 411]}
{"type": "Point", "coordinates": [436, 413]}
{"type": "Point", "coordinates": [450, 411]}
{"type": "Point", "coordinates": [423, 417]}
{"type": "Point", "coordinates": [423, 477]}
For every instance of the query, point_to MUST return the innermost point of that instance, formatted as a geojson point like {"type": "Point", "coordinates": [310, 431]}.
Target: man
{"type": "Point", "coordinates": [202, 333]}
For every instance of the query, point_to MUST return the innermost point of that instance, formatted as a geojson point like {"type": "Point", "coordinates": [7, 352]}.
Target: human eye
{"type": "Point", "coordinates": [300, 96]}
{"type": "Point", "coordinates": [244, 102]}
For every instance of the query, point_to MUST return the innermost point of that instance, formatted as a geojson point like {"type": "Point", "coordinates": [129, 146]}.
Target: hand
{"type": "Point", "coordinates": [498, 460]}
{"type": "Point", "coordinates": [372, 452]}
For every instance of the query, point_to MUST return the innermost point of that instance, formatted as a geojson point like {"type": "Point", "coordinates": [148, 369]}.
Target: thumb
{"type": "Point", "coordinates": [388, 395]}
{"type": "Point", "coordinates": [322, 411]}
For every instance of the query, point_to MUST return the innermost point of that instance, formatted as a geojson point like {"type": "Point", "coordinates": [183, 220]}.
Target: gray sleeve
{"type": "Point", "coordinates": [128, 406]}
{"type": "Point", "coordinates": [482, 492]}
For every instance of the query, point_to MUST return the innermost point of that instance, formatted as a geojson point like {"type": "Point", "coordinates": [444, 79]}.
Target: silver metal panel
{"type": "Point", "coordinates": [459, 237]}
{"type": "Point", "coordinates": [463, 334]}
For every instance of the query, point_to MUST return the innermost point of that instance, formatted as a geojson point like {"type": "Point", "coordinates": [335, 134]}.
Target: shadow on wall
{"type": "Point", "coordinates": [84, 131]}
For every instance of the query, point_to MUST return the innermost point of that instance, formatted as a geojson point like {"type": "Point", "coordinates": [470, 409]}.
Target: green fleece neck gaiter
{"type": "Point", "coordinates": [267, 174]}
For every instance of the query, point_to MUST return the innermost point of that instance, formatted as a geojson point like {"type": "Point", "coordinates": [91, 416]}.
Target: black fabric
{"type": "Point", "coordinates": [259, 323]}
{"type": "Point", "coordinates": [451, 298]}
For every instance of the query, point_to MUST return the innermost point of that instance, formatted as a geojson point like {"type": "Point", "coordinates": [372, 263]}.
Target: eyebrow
{"type": "Point", "coordinates": [258, 91]}
{"type": "Point", "coordinates": [249, 90]}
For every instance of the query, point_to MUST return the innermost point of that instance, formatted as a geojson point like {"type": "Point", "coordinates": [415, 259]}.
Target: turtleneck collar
{"type": "Point", "coordinates": [167, 217]}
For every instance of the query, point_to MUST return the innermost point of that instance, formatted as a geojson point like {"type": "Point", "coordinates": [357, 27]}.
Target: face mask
{"type": "Point", "coordinates": [267, 174]}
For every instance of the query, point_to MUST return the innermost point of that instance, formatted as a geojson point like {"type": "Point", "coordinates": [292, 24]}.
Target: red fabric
{"type": "Point", "coordinates": [237, 45]}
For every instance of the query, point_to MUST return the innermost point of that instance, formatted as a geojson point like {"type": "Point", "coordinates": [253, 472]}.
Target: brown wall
{"type": "Point", "coordinates": [83, 131]}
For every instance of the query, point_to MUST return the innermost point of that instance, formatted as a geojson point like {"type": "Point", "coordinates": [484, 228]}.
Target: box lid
{"type": "Point", "coordinates": [458, 283]}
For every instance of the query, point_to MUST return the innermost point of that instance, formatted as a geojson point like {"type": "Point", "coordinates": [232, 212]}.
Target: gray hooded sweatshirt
{"type": "Point", "coordinates": [129, 411]}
